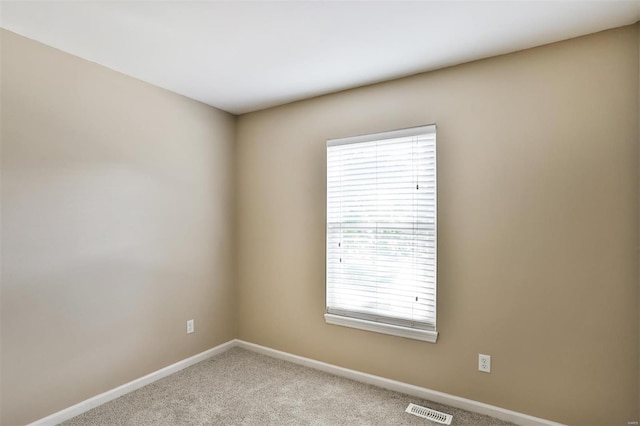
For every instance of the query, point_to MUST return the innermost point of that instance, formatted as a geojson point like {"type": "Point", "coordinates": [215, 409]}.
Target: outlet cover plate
{"type": "Point", "coordinates": [484, 363]}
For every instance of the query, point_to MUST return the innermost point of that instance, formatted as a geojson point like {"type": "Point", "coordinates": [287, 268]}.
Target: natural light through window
{"type": "Point", "coordinates": [381, 232]}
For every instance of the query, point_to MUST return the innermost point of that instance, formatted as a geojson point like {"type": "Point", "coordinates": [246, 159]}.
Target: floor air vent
{"type": "Point", "coordinates": [430, 414]}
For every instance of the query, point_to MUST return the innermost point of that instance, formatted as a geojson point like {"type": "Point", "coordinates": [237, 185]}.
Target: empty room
{"type": "Point", "coordinates": [320, 213]}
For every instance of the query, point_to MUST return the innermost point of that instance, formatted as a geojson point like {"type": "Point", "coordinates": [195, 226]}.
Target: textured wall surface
{"type": "Point", "coordinates": [117, 227]}
{"type": "Point", "coordinates": [538, 228]}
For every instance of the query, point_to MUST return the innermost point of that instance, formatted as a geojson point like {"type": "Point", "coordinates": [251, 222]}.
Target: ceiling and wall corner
{"type": "Point", "coordinates": [245, 56]}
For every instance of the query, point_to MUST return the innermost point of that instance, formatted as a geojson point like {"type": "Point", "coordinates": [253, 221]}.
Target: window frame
{"type": "Point", "coordinates": [427, 335]}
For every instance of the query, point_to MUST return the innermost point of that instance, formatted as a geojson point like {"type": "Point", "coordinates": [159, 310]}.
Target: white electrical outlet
{"type": "Point", "coordinates": [484, 363]}
{"type": "Point", "coordinates": [190, 327]}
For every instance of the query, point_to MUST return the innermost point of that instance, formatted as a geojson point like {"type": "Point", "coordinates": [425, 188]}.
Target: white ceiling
{"type": "Point", "coordinates": [243, 56]}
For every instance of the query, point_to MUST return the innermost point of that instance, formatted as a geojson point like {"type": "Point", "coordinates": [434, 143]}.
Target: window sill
{"type": "Point", "coordinates": [394, 330]}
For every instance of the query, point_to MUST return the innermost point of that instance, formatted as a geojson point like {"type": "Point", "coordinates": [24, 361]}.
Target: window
{"type": "Point", "coordinates": [381, 232]}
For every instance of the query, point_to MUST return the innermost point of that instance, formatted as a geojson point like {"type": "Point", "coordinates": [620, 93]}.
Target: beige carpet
{"type": "Point", "coordinates": [239, 387]}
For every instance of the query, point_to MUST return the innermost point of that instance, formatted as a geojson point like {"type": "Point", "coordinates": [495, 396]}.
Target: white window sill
{"type": "Point", "coordinates": [394, 330]}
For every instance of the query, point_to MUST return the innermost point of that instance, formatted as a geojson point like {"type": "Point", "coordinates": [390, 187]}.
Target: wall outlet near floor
{"type": "Point", "coordinates": [484, 363]}
{"type": "Point", "coordinates": [190, 326]}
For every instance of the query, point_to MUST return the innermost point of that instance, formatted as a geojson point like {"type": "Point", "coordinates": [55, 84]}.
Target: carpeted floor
{"type": "Point", "coordinates": [239, 387]}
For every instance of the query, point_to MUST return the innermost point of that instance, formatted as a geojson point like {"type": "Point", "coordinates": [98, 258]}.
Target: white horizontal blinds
{"type": "Point", "coordinates": [381, 227]}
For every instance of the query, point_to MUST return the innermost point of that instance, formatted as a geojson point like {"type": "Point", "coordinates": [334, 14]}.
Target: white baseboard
{"type": "Point", "coordinates": [109, 395]}
{"type": "Point", "coordinates": [416, 391]}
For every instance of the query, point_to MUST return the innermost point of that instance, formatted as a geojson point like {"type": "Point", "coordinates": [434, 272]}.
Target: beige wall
{"type": "Point", "coordinates": [538, 228]}
{"type": "Point", "coordinates": [118, 226]}
{"type": "Point", "coordinates": [117, 219]}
